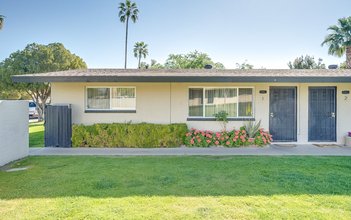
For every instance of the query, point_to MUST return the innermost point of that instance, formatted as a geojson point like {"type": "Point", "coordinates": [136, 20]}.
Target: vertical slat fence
{"type": "Point", "coordinates": [58, 126]}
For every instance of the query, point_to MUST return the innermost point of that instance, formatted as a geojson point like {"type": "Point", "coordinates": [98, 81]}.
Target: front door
{"type": "Point", "coordinates": [322, 114]}
{"type": "Point", "coordinates": [282, 115]}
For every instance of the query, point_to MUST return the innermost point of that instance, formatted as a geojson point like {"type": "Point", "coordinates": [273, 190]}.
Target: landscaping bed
{"type": "Point", "coordinates": [147, 135]}
{"type": "Point", "coordinates": [234, 138]}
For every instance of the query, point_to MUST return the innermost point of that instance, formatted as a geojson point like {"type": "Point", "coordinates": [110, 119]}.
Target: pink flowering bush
{"type": "Point", "coordinates": [234, 138]}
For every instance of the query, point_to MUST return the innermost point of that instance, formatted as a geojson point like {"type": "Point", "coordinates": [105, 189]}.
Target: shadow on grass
{"type": "Point", "coordinates": [117, 176]}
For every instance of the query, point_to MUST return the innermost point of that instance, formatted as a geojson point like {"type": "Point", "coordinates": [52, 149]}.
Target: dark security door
{"type": "Point", "coordinates": [322, 114]}
{"type": "Point", "coordinates": [282, 115]}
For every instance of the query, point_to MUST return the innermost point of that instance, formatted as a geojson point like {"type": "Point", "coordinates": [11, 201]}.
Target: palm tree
{"type": "Point", "coordinates": [339, 41]}
{"type": "Point", "coordinates": [127, 10]}
{"type": "Point", "coordinates": [2, 19]}
{"type": "Point", "coordinates": [140, 49]}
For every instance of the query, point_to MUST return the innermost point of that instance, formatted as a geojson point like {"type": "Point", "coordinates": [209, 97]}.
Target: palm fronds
{"type": "Point", "coordinates": [2, 19]}
{"type": "Point", "coordinates": [140, 49]}
{"type": "Point", "coordinates": [340, 38]}
{"type": "Point", "coordinates": [128, 10]}
{"type": "Point", "coordinates": [251, 128]}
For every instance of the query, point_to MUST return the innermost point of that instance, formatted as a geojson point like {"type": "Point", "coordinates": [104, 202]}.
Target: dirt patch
{"type": "Point", "coordinates": [327, 145]}
{"type": "Point", "coordinates": [253, 146]}
{"type": "Point", "coordinates": [221, 146]}
{"type": "Point", "coordinates": [117, 156]}
{"type": "Point", "coordinates": [285, 145]}
{"type": "Point", "coordinates": [8, 168]}
{"type": "Point", "coordinates": [218, 158]}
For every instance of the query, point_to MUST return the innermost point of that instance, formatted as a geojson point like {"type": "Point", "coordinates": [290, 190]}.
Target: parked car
{"type": "Point", "coordinates": [33, 110]}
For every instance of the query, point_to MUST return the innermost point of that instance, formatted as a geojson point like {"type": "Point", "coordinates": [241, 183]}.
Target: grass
{"type": "Point", "coordinates": [36, 134]}
{"type": "Point", "coordinates": [177, 187]}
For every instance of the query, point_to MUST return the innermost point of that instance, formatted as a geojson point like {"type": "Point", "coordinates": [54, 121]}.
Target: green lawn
{"type": "Point", "coordinates": [36, 134]}
{"type": "Point", "coordinates": [178, 187]}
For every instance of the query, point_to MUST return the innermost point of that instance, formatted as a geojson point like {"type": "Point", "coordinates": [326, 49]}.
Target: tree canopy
{"type": "Point", "coordinates": [37, 58]}
{"type": "Point", "coordinates": [342, 65]}
{"type": "Point", "coordinates": [154, 65]}
{"type": "Point", "coordinates": [339, 41]}
{"type": "Point", "coordinates": [14, 95]}
{"type": "Point", "coordinates": [306, 62]}
{"type": "Point", "coordinates": [244, 65]}
{"type": "Point", "coordinates": [192, 60]}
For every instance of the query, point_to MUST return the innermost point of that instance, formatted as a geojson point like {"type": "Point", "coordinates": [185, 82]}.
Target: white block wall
{"type": "Point", "coordinates": [14, 142]}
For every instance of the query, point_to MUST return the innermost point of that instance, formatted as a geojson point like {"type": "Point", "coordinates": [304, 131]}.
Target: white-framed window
{"type": "Point", "coordinates": [110, 98]}
{"type": "Point", "coordinates": [205, 102]}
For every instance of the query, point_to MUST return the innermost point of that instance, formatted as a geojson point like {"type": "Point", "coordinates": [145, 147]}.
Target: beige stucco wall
{"type": "Point", "coordinates": [13, 131]}
{"type": "Point", "coordinates": [152, 103]}
{"type": "Point", "coordinates": [167, 103]}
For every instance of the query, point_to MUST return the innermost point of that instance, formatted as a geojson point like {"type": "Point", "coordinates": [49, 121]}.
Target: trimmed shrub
{"type": "Point", "coordinates": [234, 138]}
{"type": "Point", "coordinates": [142, 135]}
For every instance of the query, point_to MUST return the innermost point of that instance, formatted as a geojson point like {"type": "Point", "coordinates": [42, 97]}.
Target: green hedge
{"type": "Point", "coordinates": [142, 135]}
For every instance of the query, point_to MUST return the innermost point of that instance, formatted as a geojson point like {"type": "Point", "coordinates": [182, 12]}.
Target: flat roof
{"type": "Point", "coordinates": [189, 75]}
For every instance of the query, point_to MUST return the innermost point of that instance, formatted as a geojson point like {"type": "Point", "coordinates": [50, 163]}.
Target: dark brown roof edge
{"type": "Point", "coordinates": [222, 79]}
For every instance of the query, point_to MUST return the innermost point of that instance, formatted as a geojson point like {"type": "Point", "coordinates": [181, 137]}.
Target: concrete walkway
{"type": "Point", "coordinates": [272, 150]}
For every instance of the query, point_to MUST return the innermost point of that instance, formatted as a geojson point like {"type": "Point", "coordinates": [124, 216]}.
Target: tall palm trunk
{"type": "Point", "coordinates": [125, 63]}
{"type": "Point", "coordinates": [348, 57]}
{"type": "Point", "coordinates": [139, 60]}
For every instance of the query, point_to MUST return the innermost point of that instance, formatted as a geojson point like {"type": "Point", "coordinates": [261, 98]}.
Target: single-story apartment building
{"type": "Point", "coordinates": [295, 105]}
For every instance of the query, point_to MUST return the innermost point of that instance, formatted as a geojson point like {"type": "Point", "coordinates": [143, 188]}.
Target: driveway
{"type": "Point", "coordinates": [272, 150]}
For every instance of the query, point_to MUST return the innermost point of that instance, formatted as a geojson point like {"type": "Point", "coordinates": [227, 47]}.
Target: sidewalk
{"type": "Point", "coordinates": [272, 150]}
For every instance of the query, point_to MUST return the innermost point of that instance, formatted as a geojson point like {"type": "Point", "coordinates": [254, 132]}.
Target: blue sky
{"type": "Point", "coordinates": [266, 33]}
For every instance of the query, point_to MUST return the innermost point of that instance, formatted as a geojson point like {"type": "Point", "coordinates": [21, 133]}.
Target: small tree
{"type": "Point", "coordinates": [37, 58]}
{"type": "Point", "coordinates": [222, 118]}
